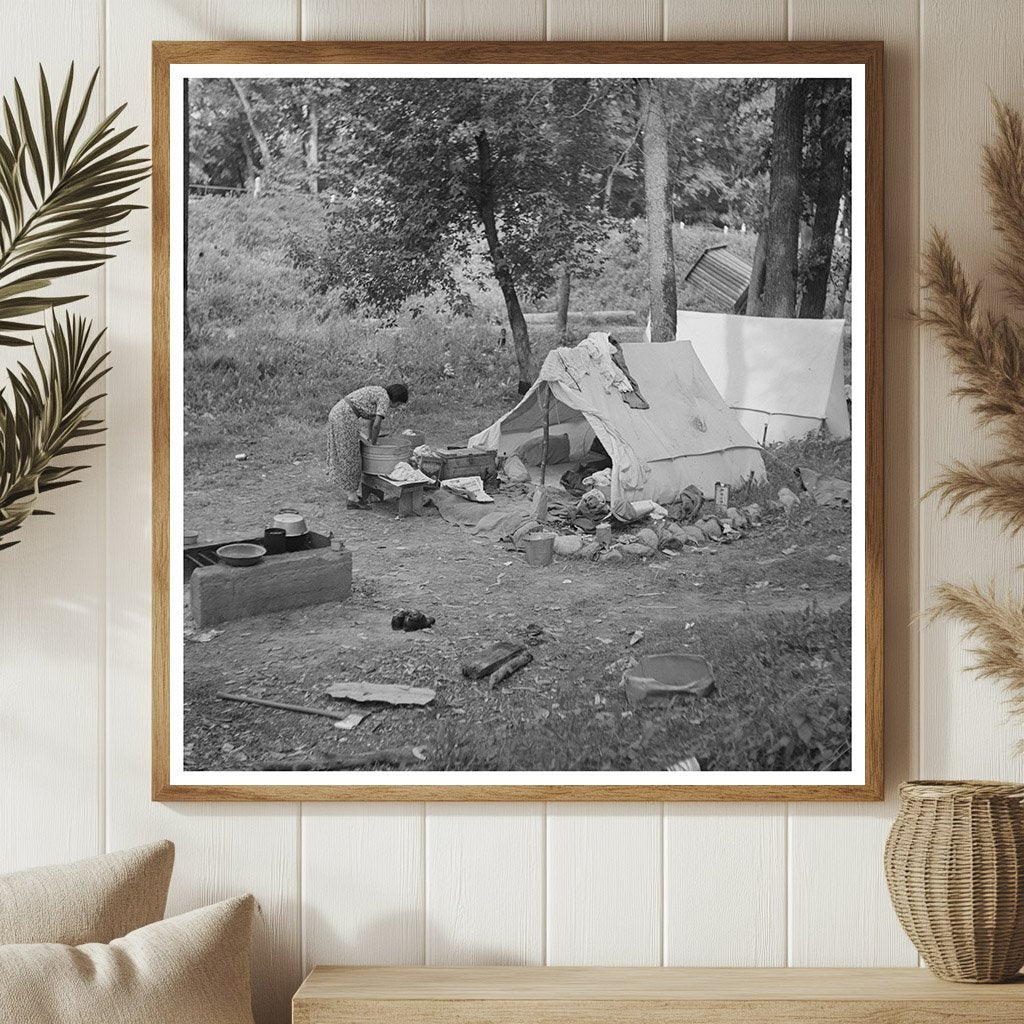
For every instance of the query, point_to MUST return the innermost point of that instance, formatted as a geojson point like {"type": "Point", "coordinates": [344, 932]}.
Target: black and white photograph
{"type": "Point", "coordinates": [517, 425]}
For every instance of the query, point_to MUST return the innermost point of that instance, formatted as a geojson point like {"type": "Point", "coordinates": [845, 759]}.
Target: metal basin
{"type": "Point", "coordinates": [668, 675]}
{"type": "Point", "coordinates": [241, 554]}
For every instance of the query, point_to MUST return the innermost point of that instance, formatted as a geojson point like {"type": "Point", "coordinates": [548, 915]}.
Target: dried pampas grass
{"type": "Point", "coordinates": [997, 629]}
{"type": "Point", "coordinates": [987, 354]}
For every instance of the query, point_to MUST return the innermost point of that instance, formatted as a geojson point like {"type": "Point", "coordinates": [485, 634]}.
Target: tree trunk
{"type": "Point", "coordinates": [313, 148]}
{"type": "Point", "coordinates": [660, 255]}
{"type": "Point", "coordinates": [784, 199]}
{"type": "Point", "coordinates": [804, 236]}
{"type": "Point", "coordinates": [261, 140]}
{"type": "Point", "coordinates": [502, 270]}
{"type": "Point", "coordinates": [756, 286]}
{"type": "Point", "coordinates": [827, 200]}
{"type": "Point", "coordinates": [562, 305]}
{"type": "Point", "coordinates": [187, 145]}
{"type": "Point", "coordinates": [844, 277]}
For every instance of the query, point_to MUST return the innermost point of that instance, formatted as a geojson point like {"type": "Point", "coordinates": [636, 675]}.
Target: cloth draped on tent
{"type": "Point", "coordinates": [688, 435]}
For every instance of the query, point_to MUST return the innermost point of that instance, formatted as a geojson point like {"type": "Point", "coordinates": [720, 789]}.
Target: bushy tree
{"type": "Point", "coordinates": [433, 171]}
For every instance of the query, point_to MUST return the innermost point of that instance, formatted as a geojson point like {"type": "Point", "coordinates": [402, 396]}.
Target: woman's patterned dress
{"type": "Point", "coordinates": [344, 458]}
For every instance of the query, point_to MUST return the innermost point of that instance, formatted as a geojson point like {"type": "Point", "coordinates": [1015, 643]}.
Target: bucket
{"type": "Point", "coordinates": [668, 675]}
{"type": "Point", "coordinates": [603, 534]}
{"type": "Point", "coordinates": [381, 459]}
{"type": "Point", "coordinates": [413, 438]}
{"type": "Point", "coordinates": [539, 548]}
{"type": "Point", "coordinates": [273, 540]}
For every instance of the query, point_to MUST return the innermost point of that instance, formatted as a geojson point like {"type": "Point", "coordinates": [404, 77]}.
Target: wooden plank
{"type": "Point", "coordinates": [363, 19]}
{"type": "Point", "coordinates": [363, 884]}
{"type": "Point", "coordinates": [485, 883]}
{"type": "Point", "coordinates": [222, 850]}
{"type": "Point", "coordinates": [604, 19]}
{"type": "Point", "coordinates": [641, 1012]}
{"type": "Point", "coordinates": [484, 19]}
{"type": "Point", "coordinates": [604, 884]}
{"type": "Point", "coordinates": [51, 583]}
{"type": "Point", "coordinates": [827, 863]}
{"type": "Point", "coordinates": [650, 985]}
{"type": "Point", "coordinates": [739, 19]}
{"type": "Point", "coordinates": [965, 729]}
{"type": "Point", "coordinates": [725, 885]}
{"type": "Point", "coordinates": [334, 995]}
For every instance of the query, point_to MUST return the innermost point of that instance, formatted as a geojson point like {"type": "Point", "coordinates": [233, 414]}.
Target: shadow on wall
{"type": "Point", "coordinates": [397, 939]}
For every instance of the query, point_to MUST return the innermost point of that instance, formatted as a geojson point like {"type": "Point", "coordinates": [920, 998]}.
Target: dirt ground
{"type": "Point", "coordinates": [566, 709]}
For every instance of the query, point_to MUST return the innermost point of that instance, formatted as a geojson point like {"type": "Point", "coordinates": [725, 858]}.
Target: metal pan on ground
{"type": "Point", "coordinates": [666, 676]}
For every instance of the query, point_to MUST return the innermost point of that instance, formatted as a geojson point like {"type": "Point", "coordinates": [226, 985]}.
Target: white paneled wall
{"type": "Point", "coordinates": [743, 884]}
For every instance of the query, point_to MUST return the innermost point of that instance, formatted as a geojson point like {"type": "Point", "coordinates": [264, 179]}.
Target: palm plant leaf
{"type": "Point", "coordinates": [62, 192]}
{"type": "Point", "coordinates": [45, 419]}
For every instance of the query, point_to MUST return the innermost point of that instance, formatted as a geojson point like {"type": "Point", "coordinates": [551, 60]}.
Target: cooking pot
{"type": "Point", "coordinates": [293, 524]}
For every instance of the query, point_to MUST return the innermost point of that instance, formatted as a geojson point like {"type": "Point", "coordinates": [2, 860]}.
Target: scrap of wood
{"type": "Point", "coordinates": [389, 693]}
{"type": "Point", "coordinates": [397, 757]}
{"type": "Point", "coordinates": [489, 660]}
{"type": "Point", "coordinates": [510, 667]}
{"type": "Point", "coordinates": [352, 720]}
{"type": "Point", "coordinates": [300, 709]}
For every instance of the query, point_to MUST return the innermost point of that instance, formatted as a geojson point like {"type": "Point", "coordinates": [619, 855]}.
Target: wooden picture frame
{"type": "Point", "coordinates": [168, 56]}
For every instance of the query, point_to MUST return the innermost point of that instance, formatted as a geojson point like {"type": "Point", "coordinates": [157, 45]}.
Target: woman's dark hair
{"type": "Point", "coordinates": [398, 393]}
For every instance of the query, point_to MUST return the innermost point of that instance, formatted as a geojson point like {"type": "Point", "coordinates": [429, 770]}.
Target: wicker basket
{"type": "Point", "coordinates": [954, 861]}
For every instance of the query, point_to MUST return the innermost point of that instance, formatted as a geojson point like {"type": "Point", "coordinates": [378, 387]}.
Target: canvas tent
{"type": "Point", "coordinates": [687, 435]}
{"type": "Point", "coordinates": [783, 377]}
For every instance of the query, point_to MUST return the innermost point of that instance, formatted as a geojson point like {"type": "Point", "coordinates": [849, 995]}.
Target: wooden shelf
{"type": "Point", "coordinates": [629, 995]}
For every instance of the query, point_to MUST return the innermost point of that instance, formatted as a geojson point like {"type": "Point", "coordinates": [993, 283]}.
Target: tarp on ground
{"type": "Point", "coordinates": [687, 435]}
{"type": "Point", "coordinates": [782, 377]}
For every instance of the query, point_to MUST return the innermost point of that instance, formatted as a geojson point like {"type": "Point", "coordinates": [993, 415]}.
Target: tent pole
{"type": "Point", "coordinates": [547, 431]}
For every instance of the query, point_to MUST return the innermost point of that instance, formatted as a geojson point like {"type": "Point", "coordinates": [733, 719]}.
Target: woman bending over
{"type": "Point", "coordinates": [344, 458]}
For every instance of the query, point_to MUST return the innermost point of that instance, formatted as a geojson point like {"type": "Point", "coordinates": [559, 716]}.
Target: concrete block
{"type": "Point", "coordinates": [224, 592]}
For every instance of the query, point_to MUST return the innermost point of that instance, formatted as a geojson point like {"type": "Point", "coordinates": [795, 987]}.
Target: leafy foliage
{"type": "Point", "coordinates": [414, 187]}
{"type": "Point", "coordinates": [720, 131]}
{"type": "Point", "coordinates": [398, 171]}
{"type": "Point", "coordinates": [62, 191]}
{"type": "Point", "coordinates": [47, 420]}
{"type": "Point", "coordinates": [59, 199]}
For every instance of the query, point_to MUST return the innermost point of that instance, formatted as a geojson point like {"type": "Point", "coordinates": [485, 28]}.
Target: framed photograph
{"type": "Point", "coordinates": [518, 411]}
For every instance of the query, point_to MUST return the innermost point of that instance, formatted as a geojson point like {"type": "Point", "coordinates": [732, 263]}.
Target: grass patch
{"type": "Point", "coordinates": [266, 348]}
{"type": "Point", "coordinates": [782, 703]}
{"type": "Point", "coordinates": [827, 455]}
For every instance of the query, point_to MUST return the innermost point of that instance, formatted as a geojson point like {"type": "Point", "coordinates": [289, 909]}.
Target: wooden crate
{"type": "Point", "coordinates": [647, 995]}
{"type": "Point", "coordinates": [455, 462]}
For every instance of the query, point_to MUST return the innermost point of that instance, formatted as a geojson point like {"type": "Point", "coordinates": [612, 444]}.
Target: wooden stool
{"type": "Point", "coordinates": [409, 495]}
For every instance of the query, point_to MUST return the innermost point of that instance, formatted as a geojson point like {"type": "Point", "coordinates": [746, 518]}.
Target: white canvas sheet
{"type": "Point", "coordinates": [783, 377]}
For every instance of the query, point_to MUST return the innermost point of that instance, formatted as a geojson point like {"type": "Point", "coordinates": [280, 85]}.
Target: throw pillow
{"type": "Point", "coordinates": [190, 969]}
{"type": "Point", "coordinates": [92, 900]}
